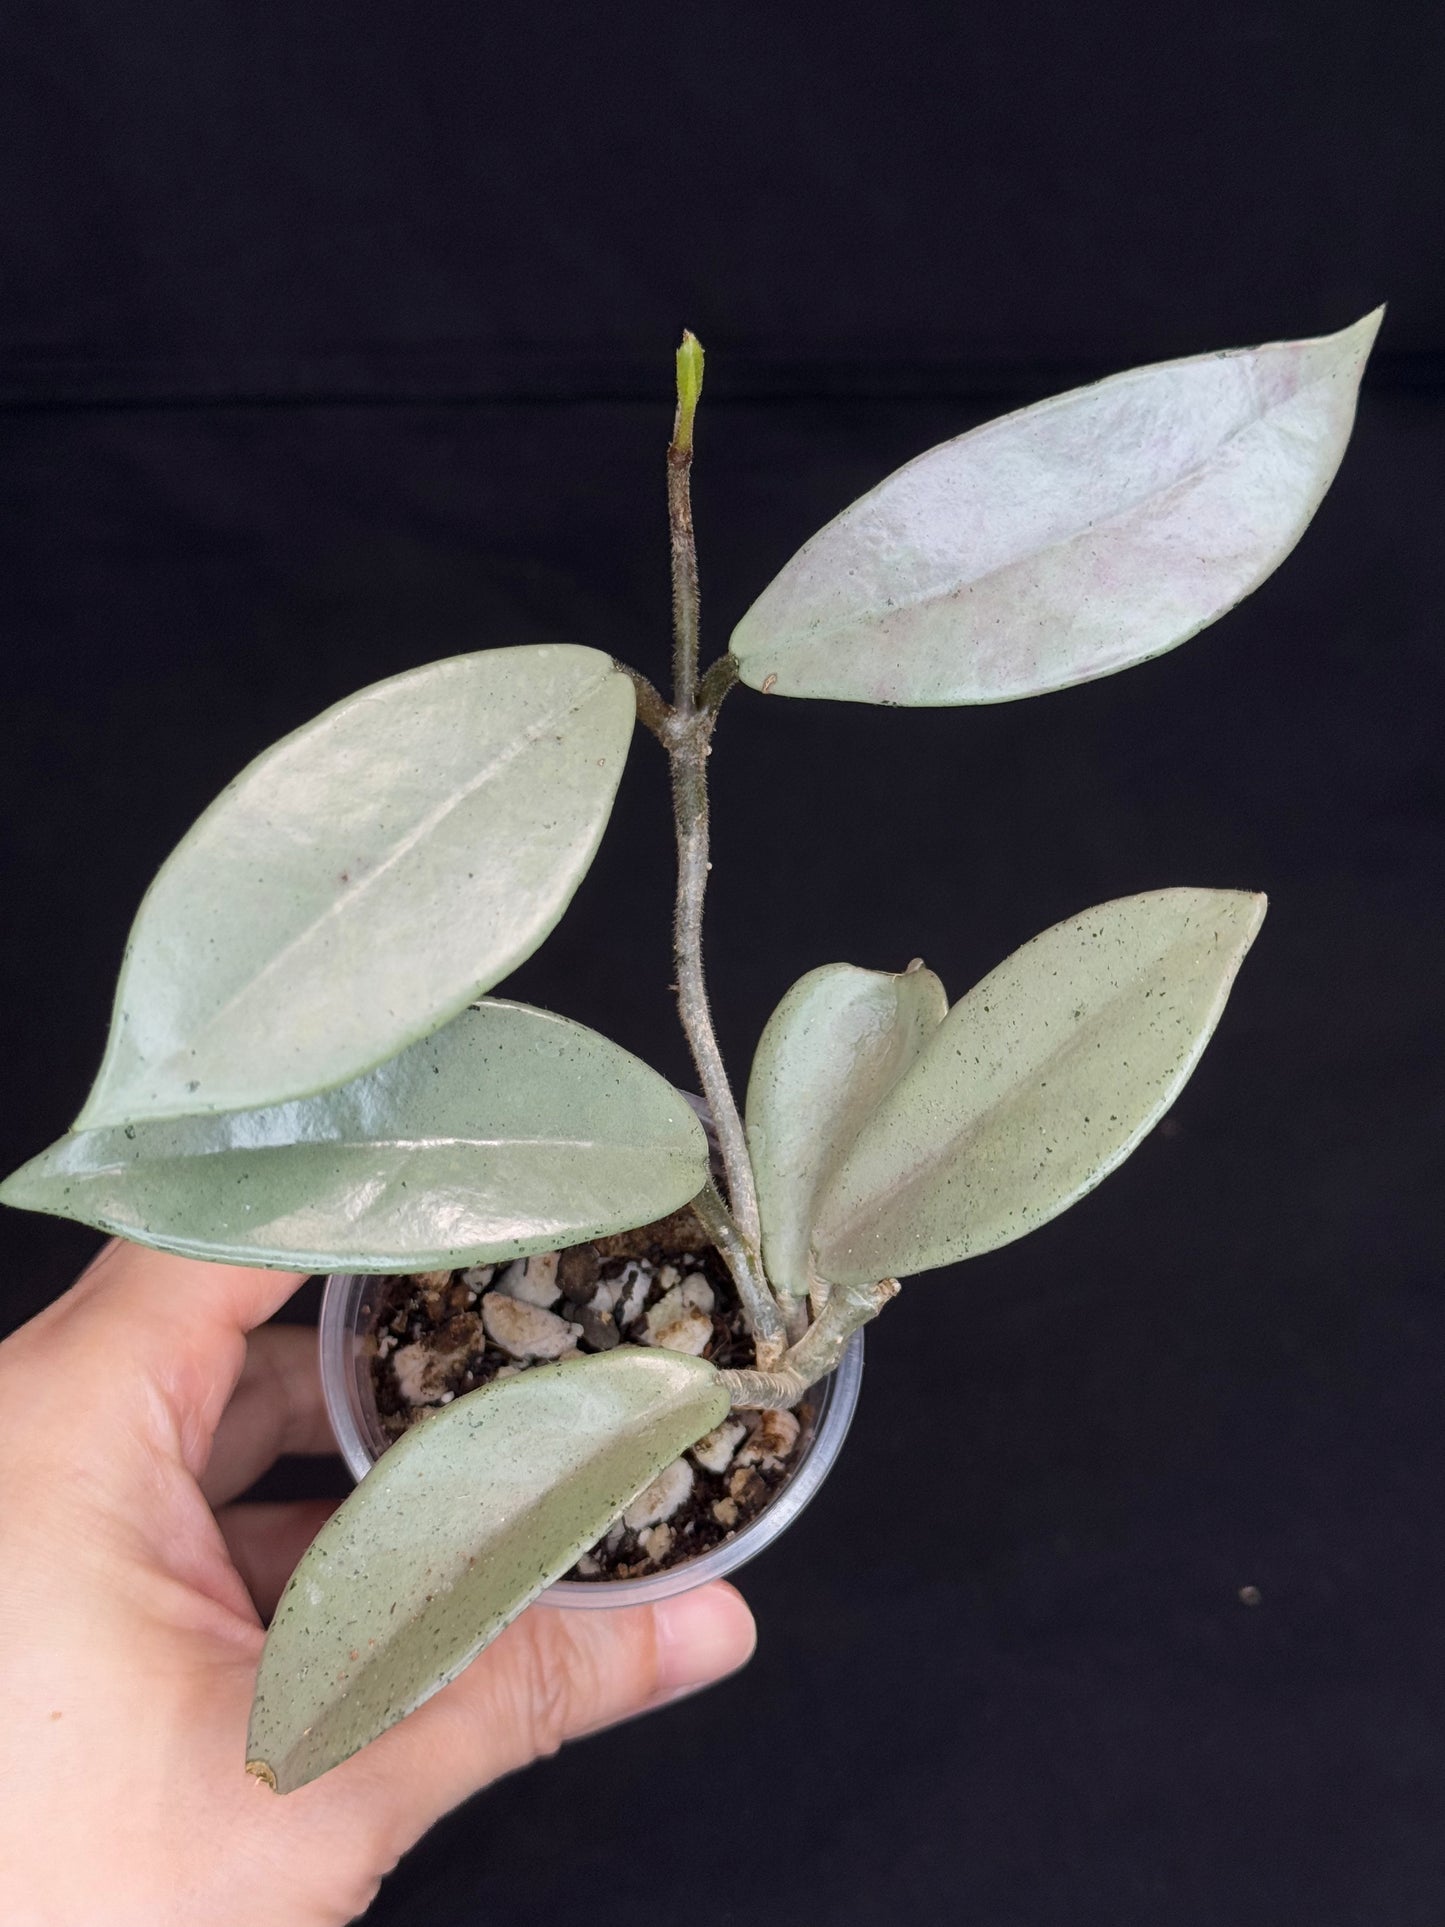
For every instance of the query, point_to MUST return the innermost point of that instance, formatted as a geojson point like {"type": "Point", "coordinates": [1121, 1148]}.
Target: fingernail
{"type": "Point", "coordinates": [701, 1637]}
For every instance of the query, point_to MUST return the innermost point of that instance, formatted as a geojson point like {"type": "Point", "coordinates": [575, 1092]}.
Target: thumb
{"type": "Point", "coordinates": [554, 1675]}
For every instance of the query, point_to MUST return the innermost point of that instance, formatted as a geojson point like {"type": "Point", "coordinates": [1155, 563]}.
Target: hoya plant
{"type": "Point", "coordinates": [304, 1069]}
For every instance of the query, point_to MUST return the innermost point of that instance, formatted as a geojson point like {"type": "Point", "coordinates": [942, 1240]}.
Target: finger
{"type": "Point", "coordinates": [277, 1407]}
{"type": "Point", "coordinates": [132, 1282]}
{"type": "Point", "coordinates": [552, 1676]}
{"type": "Point", "coordinates": [266, 1541]}
{"type": "Point", "coordinates": [177, 1323]}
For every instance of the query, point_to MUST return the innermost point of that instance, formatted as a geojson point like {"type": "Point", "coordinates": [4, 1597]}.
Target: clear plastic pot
{"type": "Point", "coordinates": [348, 1313]}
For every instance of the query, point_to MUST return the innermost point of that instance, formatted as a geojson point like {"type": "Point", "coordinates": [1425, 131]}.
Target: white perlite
{"type": "Point", "coordinates": [532, 1281]}
{"type": "Point", "coordinates": [478, 1277]}
{"type": "Point", "coordinates": [635, 1282]}
{"type": "Point", "coordinates": [527, 1331]}
{"type": "Point", "coordinates": [656, 1542]}
{"type": "Point", "coordinates": [422, 1372]}
{"type": "Point", "coordinates": [677, 1326]}
{"type": "Point", "coordinates": [697, 1292]}
{"type": "Point", "coordinates": [670, 1489]}
{"type": "Point", "coordinates": [773, 1438]}
{"type": "Point", "coordinates": [605, 1295]}
{"type": "Point", "coordinates": [411, 1365]}
{"type": "Point", "coordinates": [714, 1453]}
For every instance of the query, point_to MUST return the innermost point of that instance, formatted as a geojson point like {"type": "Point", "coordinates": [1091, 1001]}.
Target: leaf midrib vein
{"type": "Point", "coordinates": [846, 626]}
{"type": "Point", "coordinates": [422, 828]}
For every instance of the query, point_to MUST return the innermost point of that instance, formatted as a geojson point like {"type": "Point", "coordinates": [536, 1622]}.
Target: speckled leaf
{"type": "Point", "coordinates": [1036, 1084]}
{"type": "Point", "coordinates": [363, 880]}
{"type": "Point", "coordinates": [1067, 541]}
{"type": "Point", "coordinates": [508, 1131]}
{"type": "Point", "coordinates": [833, 1048]}
{"type": "Point", "coordinates": [452, 1532]}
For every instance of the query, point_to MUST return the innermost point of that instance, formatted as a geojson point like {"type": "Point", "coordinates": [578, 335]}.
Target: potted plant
{"type": "Point", "coordinates": [304, 1070]}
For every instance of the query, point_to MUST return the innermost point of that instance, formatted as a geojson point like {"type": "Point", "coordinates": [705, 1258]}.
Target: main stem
{"type": "Point", "coordinates": [784, 1369]}
{"type": "Point", "coordinates": [689, 790]}
{"type": "Point", "coordinates": [686, 596]}
{"type": "Point", "coordinates": [783, 1383]}
{"type": "Point", "coordinates": [687, 734]}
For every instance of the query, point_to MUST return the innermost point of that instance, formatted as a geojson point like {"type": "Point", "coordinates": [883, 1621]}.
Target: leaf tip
{"type": "Point", "coordinates": [1241, 911]}
{"type": "Point", "coordinates": [104, 1109]}
{"type": "Point", "coordinates": [1237, 916]}
{"type": "Point", "coordinates": [1254, 905]}
{"type": "Point", "coordinates": [1356, 341]}
{"type": "Point", "coordinates": [259, 1770]}
{"type": "Point", "coordinates": [19, 1190]}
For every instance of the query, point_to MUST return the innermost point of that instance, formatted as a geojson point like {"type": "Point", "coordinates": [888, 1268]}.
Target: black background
{"type": "Point", "coordinates": [336, 339]}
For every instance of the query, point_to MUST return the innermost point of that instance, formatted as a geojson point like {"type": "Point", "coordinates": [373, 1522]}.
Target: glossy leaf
{"type": "Point", "coordinates": [364, 880]}
{"type": "Point", "coordinates": [1067, 541]}
{"type": "Point", "coordinates": [833, 1048]}
{"type": "Point", "coordinates": [452, 1532]}
{"type": "Point", "coordinates": [509, 1131]}
{"type": "Point", "coordinates": [1036, 1085]}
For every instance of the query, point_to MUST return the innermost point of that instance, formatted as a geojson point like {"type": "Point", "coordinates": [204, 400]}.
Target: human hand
{"type": "Point", "coordinates": [132, 1411]}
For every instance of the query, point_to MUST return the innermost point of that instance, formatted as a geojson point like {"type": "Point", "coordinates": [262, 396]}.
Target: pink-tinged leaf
{"type": "Point", "coordinates": [1067, 541]}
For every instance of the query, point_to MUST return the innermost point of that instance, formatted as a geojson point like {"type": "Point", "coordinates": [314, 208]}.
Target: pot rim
{"type": "Point", "coordinates": [837, 1397]}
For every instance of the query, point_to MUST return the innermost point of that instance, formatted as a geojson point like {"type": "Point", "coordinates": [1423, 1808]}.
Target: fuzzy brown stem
{"type": "Point", "coordinates": [686, 595]}
{"type": "Point", "coordinates": [716, 682]}
{"type": "Point", "coordinates": [816, 1353]}
{"type": "Point", "coordinates": [759, 1306]}
{"type": "Point", "coordinates": [652, 711]}
{"type": "Point", "coordinates": [688, 748]}
{"type": "Point", "coordinates": [686, 732]}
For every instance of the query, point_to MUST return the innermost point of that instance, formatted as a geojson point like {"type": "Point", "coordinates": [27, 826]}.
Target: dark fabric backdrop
{"type": "Point", "coordinates": [333, 340]}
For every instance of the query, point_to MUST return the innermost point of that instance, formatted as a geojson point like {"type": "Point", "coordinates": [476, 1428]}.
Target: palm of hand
{"type": "Point", "coordinates": [132, 1412]}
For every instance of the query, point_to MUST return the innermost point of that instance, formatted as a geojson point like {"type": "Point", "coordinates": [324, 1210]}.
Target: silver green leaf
{"type": "Point", "coordinates": [1067, 541]}
{"type": "Point", "coordinates": [834, 1047]}
{"type": "Point", "coordinates": [453, 1531]}
{"type": "Point", "coordinates": [509, 1131]}
{"type": "Point", "coordinates": [364, 880]}
{"type": "Point", "coordinates": [1036, 1085]}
